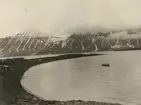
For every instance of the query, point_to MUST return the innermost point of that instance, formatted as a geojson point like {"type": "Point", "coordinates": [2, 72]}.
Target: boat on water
{"type": "Point", "coordinates": [106, 65]}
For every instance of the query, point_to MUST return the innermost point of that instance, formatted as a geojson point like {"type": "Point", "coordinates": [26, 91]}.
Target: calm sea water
{"type": "Point", "coordinates": [85, 79]}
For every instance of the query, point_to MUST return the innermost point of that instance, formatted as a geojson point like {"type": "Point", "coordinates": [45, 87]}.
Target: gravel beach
{"type": "Point", "coordinates": [12, 91]}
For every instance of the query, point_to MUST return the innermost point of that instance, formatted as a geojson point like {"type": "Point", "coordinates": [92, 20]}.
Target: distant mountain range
{"type": "Point", "coordinates": [27, 43]}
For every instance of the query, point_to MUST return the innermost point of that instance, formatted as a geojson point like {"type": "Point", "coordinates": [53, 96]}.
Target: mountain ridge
{"type": "Point", "coordinates": [27, 43]}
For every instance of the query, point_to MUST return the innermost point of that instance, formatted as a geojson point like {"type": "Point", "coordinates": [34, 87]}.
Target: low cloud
{"type": "Point", "coordinates": [58, 17]}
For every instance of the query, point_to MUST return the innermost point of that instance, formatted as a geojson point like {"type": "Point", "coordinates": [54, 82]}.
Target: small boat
{"type": "Point", "coordinates": [106, 65]}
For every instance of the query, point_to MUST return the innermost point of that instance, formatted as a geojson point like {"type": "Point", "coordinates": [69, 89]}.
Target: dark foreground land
{"type": "Point", "coordinates": [11, 73]}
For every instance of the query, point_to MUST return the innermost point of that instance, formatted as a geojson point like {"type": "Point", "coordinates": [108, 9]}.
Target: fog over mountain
{"type": "Point", "coordinates": [63, 17]}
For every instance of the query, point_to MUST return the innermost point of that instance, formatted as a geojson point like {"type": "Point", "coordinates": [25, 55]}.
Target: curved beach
{"type": "Point", "coordinates": [13, 92]}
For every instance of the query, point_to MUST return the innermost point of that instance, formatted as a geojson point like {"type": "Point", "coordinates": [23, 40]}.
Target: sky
{"type": "Point", "coordinates": [62, 17]}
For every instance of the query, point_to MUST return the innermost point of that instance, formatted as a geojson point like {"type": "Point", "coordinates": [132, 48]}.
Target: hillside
{"type": "Point", "coordinates": [25, 44]}
{"type": "Point", "coordinates": [29, 44]}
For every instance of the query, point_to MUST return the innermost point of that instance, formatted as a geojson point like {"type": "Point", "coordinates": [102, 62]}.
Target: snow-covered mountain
{"type": "Point", "coordinates": [100, 41]}
{"type": "Point", "coordinates": [27, 43]}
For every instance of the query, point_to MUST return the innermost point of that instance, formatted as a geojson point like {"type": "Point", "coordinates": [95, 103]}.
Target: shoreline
{"type": "Point", "coordinates": [14, 94]}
